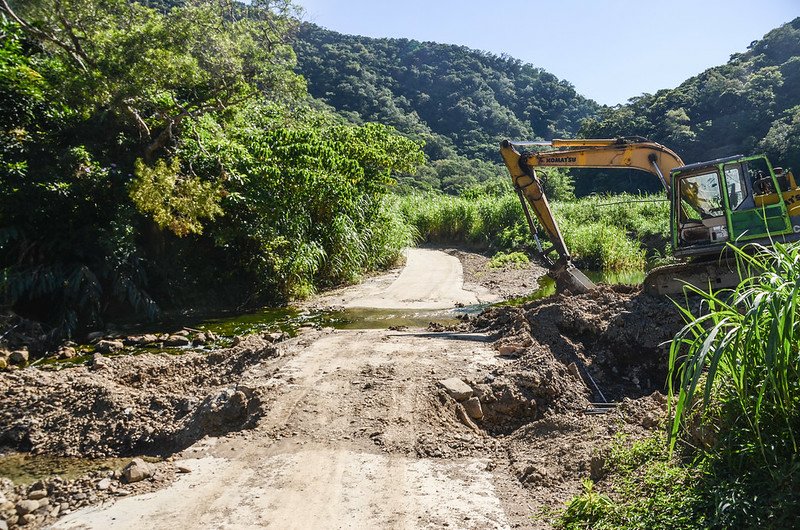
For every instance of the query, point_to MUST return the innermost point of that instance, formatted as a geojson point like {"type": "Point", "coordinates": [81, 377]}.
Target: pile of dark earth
{"type": "Point", "coordinates": [567, 354]}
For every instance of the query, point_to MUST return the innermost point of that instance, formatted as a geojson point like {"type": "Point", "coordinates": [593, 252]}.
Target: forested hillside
{"type": "Point", "coordinates": [752, 103]}
{"type": "Point", "coordinates": [175, 157]}
{"type": "Point", "coordinates": [460, 101]}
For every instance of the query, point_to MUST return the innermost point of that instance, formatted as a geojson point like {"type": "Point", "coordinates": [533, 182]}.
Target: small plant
{"type": "Point", "coordinates": [587, 509]}
{"type": "Point", "coordinates": [513, 259]}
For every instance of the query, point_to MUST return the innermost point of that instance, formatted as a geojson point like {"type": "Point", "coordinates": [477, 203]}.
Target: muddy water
{"type": "Point", "coordinates": [24, 468]}
{"type": "Point", "coordinates": [547, 286]}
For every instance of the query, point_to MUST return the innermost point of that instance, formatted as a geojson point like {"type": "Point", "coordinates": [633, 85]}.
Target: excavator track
{"type": "Point", "coordinates": [672, 279]}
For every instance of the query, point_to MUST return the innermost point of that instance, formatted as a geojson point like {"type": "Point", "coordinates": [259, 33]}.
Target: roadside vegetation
{"type": "Point", "coordinates": [605, 233]}
{"type": "Point", "coordinates": [729, 458]}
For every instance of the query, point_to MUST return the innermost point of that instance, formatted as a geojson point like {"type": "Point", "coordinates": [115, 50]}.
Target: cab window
{"type": "Point", "coordinates": [701, 197]}
{"type": "Point", "coordinates": [737, 186]}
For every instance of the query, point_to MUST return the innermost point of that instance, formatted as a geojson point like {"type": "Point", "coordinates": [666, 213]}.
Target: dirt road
{"type": "Point", "coordinates": [357, 434]}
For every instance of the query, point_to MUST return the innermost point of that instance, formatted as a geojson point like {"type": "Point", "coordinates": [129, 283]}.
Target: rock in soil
{"type": "Point", "coordinates": [456, 388]}
{"type": "Point", "coordinates": [109, 346]}
{"type": "Point", "coordinates": [137, 470]}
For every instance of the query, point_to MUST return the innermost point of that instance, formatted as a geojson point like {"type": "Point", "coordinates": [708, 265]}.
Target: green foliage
{"type": "Point", "coordinates": [145, 72]}
{"type": "Point", "coordinates": [454, 176]}
{"type": "Point", "coordinates": [309, 208]}
{"type": "Point", "coordinates": [646, 489]}
{"type": "Point", "coordinates": [512, 259]}
{"type": "Point", "coordinates": [486, 222]}
{"type": "Point", "coordinates": [173, 157]}
{"type": "Point", "coordinates": [588, 509]}
{"type": "Point", "coordinates": [175, 201]}
{"type": "Point", "coordinates": [557, 183]}
{"type": "Point", "coordinates": [743, 354]}
{"type": "Point", "coordinates": [610, 234]}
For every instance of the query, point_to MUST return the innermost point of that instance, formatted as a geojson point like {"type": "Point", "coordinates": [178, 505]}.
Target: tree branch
{"type": "Point", "coordinates": [74, 54]}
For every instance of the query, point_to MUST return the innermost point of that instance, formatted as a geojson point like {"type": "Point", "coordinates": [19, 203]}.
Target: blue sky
{"type": "Point", "coordinates": [610, 50]}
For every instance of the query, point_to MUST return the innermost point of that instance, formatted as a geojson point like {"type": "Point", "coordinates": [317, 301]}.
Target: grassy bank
{"type": "Point", "coordinates": [729, 457]}
{"type": "Point", "coordinates": [608, 233]}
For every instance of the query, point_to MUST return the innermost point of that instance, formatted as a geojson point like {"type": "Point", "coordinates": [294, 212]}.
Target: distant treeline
{"type": "Point", "coordinates": [461, 102]}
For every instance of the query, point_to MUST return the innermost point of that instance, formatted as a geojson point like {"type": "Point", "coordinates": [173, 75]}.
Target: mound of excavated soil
{"type": "Point", "coordinates": [572, 350]}
{"type": "Point", "coordinates": [568, 352]}
{"type": "Point", "coordinates": [144, 404]}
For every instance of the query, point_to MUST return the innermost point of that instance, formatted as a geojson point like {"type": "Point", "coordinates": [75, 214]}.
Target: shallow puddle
{"type": "Point", "coordinates": [24, 468]}
{"type": "Point", "coordinates": [368, 318]}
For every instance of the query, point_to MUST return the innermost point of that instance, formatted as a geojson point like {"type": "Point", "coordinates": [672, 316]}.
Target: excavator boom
{"type": "Point", "coordinates": [585, 153]}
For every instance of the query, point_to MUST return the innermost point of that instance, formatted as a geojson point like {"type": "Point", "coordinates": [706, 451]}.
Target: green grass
{"type": "Point", "coordinates": [608, 233]}
{"type": "Point", "coordinates": [648, 490]}
{"type": "Point", "coordinates": [512, 259]}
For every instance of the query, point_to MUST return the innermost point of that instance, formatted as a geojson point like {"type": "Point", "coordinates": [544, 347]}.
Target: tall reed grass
{"type": "Point", "coordinates": [736, 366]}
{"type": "Point", "coordinates": [611, 238]}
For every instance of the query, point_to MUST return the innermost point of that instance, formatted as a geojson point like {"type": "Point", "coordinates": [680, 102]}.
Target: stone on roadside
{"type": "Point", "coordinates": [104, 484]}
{"type": "Point", "coordinates": [456, 388]}
{"type": "Point", "coordinates": [510, 349]}
{"type": "Point", "coordinates": [37, 494]}
{"type": "Point", "coordinates": [19, 357]}
{"type": "Point", "coordinates": [98, 362]}
{"type": "Point", "coordinates": [473, 408]}
{"type": "Point", "coordinates": [177, 340]}
{"type": "Point", "coordinates": [274, 337]}
{"type": "Point", "coordinates": [67, 352]}
{"type": "Point", "coordinates": [26, 506]}
{"type": "Point", "coordinates": [136, 471]}
{"type": "Point", "coordinates": [109, 346]}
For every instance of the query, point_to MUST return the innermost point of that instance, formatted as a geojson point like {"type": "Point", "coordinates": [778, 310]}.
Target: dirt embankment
{"type": "Point", "coordinates": [130, 405]}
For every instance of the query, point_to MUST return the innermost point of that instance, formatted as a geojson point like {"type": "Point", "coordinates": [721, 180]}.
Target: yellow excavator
{"type": "Point", "coordinates": [737, 200]}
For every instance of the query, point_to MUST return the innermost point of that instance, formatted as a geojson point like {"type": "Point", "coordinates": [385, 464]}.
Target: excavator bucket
{"type": "Point", "coordinates": [569, 278]}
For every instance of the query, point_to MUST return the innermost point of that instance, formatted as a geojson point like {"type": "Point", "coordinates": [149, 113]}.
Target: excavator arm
{"type": "Point", "coordinates": [583, 153]}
